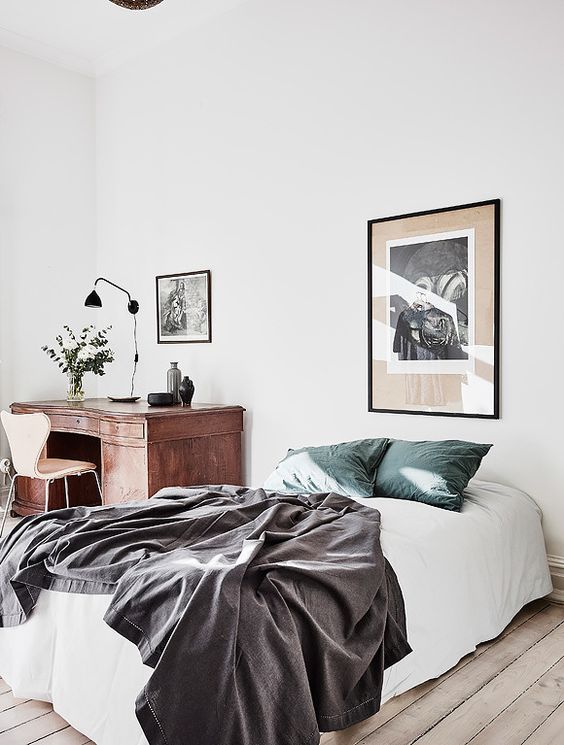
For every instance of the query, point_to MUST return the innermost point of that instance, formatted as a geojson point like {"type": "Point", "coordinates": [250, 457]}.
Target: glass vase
{"type": "Point", "coordinates": [74, 387]}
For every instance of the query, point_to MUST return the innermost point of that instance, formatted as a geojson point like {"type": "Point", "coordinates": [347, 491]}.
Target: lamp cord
{"type": "Point", "coordinates": [136, 358]}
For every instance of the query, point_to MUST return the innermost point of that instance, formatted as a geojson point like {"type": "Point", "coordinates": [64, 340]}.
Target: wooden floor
{"type": "Point", "coordinates": [23, 722]}
{"type": "Point", "coordinates": [508, 692]}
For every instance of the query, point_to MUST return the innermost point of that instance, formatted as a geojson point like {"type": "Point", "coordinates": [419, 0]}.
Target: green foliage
{"type": "Point", "coordinates": [87, 351]}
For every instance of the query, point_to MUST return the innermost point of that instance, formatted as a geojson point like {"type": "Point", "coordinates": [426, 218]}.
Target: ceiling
{"type": "Point", "coordinates": [95, 36]}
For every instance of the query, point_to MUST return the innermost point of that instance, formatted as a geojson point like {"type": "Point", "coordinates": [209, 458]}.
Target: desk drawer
{"type": "Point", "coordinates": [74, 423]}
{"type": "Point", "coordinates": [135, 430]}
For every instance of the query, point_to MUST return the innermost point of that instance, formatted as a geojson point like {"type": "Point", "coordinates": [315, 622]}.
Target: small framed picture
{"type": "Point", "coordinates": [184, 308]}
{"type": "Point", "coordinates": [433, 312]}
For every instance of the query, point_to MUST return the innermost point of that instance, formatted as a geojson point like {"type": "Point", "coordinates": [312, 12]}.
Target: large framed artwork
{"type": "Point", "coordinates": [433, 312]}
{"type": "Point", "coordinates": [184, 308]}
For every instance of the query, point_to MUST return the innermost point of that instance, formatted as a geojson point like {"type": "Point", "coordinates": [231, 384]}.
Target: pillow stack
{"type": "Point", "coordinates": [433, 472]}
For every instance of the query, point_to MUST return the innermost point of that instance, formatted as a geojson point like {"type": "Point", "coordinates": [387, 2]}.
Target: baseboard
{"type": "Point", "coordinates": [556, 564]}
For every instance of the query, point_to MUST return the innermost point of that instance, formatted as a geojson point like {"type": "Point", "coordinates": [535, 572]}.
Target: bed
{"type": "Point", "coordinates": [480, 566]}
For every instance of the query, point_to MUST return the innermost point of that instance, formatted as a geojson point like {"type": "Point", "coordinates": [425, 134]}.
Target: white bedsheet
{"type": "Point", "coordinates": [464, 577]}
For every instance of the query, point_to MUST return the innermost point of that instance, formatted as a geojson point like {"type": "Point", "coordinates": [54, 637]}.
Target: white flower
{"type": "Point", "coordinates": [69, 345]}
{"type": "Point", "coordinates": [87, 353]}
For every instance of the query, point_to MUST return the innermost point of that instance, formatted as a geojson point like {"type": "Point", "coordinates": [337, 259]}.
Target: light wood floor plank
{"type": "Point", "coordinates": [449, 694]}
{"type": "Point", "coordinates": [23, 713]}
{"type": "Point", "coordinates": [8, 701]}
{"type": "Point", "coordinates": [551, 731]}
{"type": "Point", "coordinates": [34, 730]}
{"type": "Point", "coordinates": [68, 736]}
{"type": "Point", "coordinates": [481, 708]}
{"type": "Point", "coordinates": [527, 712]}
{"type": "Point", "coordinates": [392, 708]}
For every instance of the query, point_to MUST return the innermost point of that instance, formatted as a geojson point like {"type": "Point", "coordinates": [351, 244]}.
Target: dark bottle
{"type": "Point", "coordinates": [186, 391]}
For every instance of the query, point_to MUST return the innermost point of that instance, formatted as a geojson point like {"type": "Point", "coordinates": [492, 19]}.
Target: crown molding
{"type": "Point", "coordinates": [47, 53]}
{"type": "Point", "coordinates": [174, 24]}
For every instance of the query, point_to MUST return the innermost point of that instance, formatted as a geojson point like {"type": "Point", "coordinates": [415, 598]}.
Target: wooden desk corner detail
{"type": "Point", "coordinates": [137, 448]}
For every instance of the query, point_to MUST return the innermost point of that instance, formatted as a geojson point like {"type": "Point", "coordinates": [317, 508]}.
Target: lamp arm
{"type": "Point", "coordinates": [132, 305]}
{"type": "Point", "coordinates": [103, 279]}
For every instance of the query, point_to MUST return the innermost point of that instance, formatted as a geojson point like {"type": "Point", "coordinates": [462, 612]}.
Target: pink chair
{"type": "Point", "coordinates": [27, 435]}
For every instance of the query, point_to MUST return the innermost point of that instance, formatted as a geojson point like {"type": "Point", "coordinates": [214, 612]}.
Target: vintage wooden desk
{"type": "Point", "coordinates": [138, 449]}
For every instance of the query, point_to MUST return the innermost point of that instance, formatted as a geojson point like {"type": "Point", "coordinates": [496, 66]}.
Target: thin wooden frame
{"type": "Point", "coordinates": [496, 204]}
{"type": "Point", "coordinates": [179, 276]}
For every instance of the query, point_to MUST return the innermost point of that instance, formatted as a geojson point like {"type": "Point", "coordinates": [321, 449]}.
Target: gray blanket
{"type": "Point", "coordinates": [267, 618]}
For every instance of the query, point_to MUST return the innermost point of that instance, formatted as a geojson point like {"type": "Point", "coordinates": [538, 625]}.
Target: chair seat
{"type": "Point", "coordinates": [55, 468]}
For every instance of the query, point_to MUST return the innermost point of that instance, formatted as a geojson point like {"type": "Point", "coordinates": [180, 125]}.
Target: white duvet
{"type": "Point", "coordinates": [464, 576]}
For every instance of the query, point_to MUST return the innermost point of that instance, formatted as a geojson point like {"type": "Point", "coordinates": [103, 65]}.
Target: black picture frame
{"type": "Point", "coordinates": [496, 314]}
{"type": "Point", "coordinates": [170, 331]}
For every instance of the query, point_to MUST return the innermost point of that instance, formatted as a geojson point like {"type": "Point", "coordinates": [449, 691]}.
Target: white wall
{"type": "Point", "coordinates": [47, 217]}
{"type": "Point", "coordinates": [259, 147]}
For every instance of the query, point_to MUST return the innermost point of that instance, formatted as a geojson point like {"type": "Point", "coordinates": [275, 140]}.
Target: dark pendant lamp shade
{"type": "Point", "coordinates": [93, 300]}
{"type": "Point", "coordinates": [136, 4]}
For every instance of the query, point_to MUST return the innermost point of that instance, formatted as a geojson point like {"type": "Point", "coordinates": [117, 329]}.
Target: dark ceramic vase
{"type": "Point", "coordinates": [186, 391]}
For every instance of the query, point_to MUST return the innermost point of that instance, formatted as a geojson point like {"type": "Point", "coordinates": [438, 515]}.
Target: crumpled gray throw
{"type": "Point", "coordinates": [267, 618]}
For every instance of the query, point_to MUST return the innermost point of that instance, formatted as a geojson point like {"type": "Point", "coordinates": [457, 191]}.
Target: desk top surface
{"type": "Point", "coordinates": [112, 408]}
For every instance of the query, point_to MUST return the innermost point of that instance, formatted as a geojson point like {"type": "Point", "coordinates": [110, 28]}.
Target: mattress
{"type": "Point", "coordinates": [480, 567]}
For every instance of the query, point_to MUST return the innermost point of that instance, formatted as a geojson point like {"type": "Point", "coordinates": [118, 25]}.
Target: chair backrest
{"type": "Point", "coordinates": [27, 435]}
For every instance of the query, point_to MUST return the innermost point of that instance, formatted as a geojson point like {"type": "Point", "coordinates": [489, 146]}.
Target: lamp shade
{"type": "Point", "coordinates": [93, 300]}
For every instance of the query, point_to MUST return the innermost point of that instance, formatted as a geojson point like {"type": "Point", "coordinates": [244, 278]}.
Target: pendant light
{"type": "Point", "coordinates": [136, 4]}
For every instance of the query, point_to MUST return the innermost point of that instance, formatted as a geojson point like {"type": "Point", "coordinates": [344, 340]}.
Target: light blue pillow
{"type": "Point", "coordinates": [348, 468]}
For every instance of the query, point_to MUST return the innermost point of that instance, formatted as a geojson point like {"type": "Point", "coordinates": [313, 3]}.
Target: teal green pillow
{"type": "Point", "coordinates": [434, 472]}
{"type": "Point", "coordinates": [348, 468]}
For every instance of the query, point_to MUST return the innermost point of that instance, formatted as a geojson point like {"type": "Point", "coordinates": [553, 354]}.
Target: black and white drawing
{"type": "Point", "coordinates": [430, 303]}
{"type": "Point", "coordinates": [184, 307]}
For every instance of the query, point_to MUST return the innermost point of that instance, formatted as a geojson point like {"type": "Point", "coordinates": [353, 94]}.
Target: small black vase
{"type": "Point", "coordinates": [186, 391]}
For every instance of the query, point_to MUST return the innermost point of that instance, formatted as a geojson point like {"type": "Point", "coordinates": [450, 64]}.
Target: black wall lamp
{"type": "Point", "coordinates": [94, 301]}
